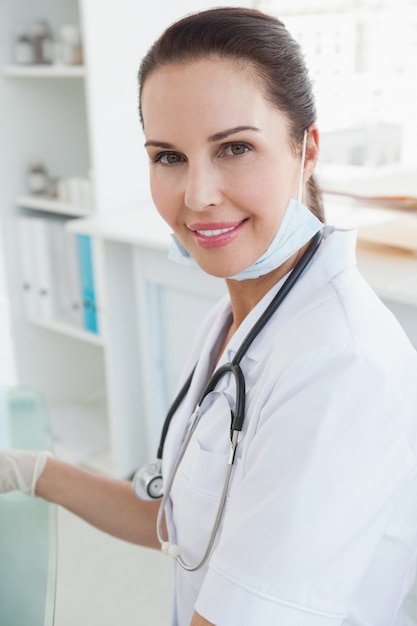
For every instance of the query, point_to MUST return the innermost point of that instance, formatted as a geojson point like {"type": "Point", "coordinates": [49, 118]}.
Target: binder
{"type": "Point", "coordinates": [43, 263]}
{"type": "Point", "coordinates": [66, 280]}
{"type": "Point", "coordinates": [36, 267]}
{"type": "Point", "coordinates": [74, 281]}
{"type": "Point", "coordinates": [57, 272]}
{"type": "Point", "coordinates": [27, 267]}
{"type": "Point", "coordinates": [87, 283]}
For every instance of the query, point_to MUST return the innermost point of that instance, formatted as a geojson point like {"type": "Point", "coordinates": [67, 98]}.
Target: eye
{"type": "Point", "coordinates": [168, 158]}
{"type": "Point", "coordinates": [236, 148]}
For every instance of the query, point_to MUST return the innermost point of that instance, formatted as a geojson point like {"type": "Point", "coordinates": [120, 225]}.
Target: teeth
{"type": "Point", "coordinates": [214, 233]}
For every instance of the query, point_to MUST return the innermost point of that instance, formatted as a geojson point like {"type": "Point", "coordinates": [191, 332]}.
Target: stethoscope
{"type": "Point", "coordinates": [148, 482]}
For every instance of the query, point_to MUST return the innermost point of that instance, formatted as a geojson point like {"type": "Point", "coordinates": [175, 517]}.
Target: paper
{"type": "Point", "coordinates": [399, 233]}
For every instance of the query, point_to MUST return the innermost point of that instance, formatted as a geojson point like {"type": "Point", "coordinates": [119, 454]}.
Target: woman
{"type": "Point", "coordinates": [319, 522]}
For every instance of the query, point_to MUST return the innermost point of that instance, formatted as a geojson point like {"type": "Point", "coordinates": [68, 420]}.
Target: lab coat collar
{"type": "Point", "coordinates": [335, 255]}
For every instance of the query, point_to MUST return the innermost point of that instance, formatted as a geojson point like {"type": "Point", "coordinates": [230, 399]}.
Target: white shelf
{"type": "Point", "coordinates": [44, 71]}
{"type": "Point", "coordinates": [71, 331]}
{"type": "Point", "coordinates": [52, 206]}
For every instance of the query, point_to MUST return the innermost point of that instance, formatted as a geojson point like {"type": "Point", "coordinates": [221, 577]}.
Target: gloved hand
{"type": "Point", "coordinates": [20, 470]}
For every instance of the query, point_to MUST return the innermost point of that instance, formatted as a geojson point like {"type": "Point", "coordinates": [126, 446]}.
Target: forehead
{"type": "Point", "coordinates": [207, 88]}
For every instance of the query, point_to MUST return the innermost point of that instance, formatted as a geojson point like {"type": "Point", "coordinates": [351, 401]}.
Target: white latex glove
{"type": "Point", "coordinates": [20, 470]}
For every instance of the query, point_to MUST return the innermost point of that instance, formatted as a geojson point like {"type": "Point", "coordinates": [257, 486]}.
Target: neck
{"type": "Point", "coordinates": [246, 294]}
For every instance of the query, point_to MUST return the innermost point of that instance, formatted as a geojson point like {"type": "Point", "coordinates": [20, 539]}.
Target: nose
{"type": "Point", "coordinates": [202, 187]}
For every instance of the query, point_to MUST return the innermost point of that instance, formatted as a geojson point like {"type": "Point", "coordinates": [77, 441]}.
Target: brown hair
{"type": "Point", "coordinates": [257, 40]}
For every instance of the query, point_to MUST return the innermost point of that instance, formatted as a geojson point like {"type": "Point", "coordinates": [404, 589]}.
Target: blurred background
{"type": "Point", "coordinates": [362, 55]}
{"type": "Point", "coordinates": [91, 311]}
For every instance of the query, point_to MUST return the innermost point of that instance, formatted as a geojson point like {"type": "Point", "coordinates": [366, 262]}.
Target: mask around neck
{"type": "Point", "coordinates": [298, 226]}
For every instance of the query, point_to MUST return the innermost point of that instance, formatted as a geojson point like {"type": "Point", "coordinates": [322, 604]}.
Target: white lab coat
{"type": "Point", "coordinates": [320, 526]}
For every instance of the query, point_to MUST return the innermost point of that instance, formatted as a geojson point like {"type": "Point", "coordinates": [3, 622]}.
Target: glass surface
{"type": "Point", "coordinates": [27, 525]}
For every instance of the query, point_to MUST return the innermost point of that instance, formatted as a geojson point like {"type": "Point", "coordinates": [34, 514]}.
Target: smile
{"type": "Point", "coordinates": [214, 232]}
{"type": "Point", "coordinates": [215, 235]}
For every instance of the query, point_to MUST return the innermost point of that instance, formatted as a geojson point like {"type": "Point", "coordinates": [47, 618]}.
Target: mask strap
{"type": "Point", "coordinates": [303, 157]}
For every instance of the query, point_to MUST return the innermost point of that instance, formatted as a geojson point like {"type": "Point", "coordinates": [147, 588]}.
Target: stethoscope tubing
{"type": "Point", "coordinates": [238, 414]}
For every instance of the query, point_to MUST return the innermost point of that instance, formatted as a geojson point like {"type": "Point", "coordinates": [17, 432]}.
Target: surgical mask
{"type": "Point", "coordinates": [298, 226]}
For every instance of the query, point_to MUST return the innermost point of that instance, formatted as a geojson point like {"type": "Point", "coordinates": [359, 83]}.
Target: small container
{"type": "Point", "coordinates": [23, 53]}
{"type": "Point", "coordinates": [62, 191]}
{"type": "Point", "coordinates": [69, 48]}
{"type": "Point", "coordinates": [38, 179]}
{"type": "Point", "coordinates": [53, 188]}
{"type": "Point", "coordinates": [43, 43]}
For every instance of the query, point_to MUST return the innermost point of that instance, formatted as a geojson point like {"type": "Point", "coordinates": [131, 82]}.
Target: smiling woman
{"type": "Point", "coordinates": [225, 103]}
{"type": "Point", "coordinates": [288, 461]}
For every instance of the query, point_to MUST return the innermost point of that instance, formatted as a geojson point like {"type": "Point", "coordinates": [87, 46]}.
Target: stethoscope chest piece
{"type": "Point", "coordinates": [148, 482]}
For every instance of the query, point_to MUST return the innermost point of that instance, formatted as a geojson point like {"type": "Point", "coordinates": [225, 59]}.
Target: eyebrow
{"type": "Point", "coordinates": [213, 138]}
{"type": "Point", "coordinates": [231, 131]}
{"type": "Point", "coordinates": [159, 144]}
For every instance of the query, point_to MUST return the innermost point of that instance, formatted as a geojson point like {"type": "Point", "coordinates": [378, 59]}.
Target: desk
{"type": "Point", "coordinates": [27, 525]}
{"type": "Point", "coordinates": [146, 330]}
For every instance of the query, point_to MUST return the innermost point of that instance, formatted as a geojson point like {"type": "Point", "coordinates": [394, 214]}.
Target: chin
{"type": "Point", "coordinates": [216, 273]}
{"type": "Point", "coordinates": [223, 268]}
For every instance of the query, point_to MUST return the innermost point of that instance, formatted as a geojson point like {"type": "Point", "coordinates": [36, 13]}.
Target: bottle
{"type": "Point", "coordinates": [43, 45]}
{"type": "Point", "coordinates": [38, 179]}
{"type": "Point", "coordinates": [70, 45]}
{"type": "Point", "coordinates": [23, 53]}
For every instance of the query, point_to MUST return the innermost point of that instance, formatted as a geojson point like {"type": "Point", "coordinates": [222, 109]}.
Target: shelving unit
{"type": "Point", "coordinates": [70, 331]}
{"type": "Point", "coordinates": [81, 120]}
{"type": "Point", "coordinates": [46, 108]}
{"type": "Point", "coordinates": [44, 71]}
{"type": "Point", "coordinates": [49, 205]}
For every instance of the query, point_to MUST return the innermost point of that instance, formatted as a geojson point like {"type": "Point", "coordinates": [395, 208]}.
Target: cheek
{"type": "Point", "coordinates": [163, 198]}
{"type": "Point", "coordinates": [263, 194]}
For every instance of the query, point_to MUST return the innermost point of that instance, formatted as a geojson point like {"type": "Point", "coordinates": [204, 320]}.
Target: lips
{"type": "Point", "coordinates": [214, 232]}
{"type": "Point", "coordinates": [215, 235]}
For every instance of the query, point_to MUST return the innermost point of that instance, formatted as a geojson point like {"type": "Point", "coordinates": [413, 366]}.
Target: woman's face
{"type": "Point", "coordinates": [222, 167]}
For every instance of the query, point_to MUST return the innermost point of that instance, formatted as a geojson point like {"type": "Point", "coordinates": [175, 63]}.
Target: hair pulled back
{"type": "Point", "coordinates": [254, 40]}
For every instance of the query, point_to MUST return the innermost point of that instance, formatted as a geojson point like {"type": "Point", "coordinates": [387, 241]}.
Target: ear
{"type": "Point", "coordinates": [312, 151]}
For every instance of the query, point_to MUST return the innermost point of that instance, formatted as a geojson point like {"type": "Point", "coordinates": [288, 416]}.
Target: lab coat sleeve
{"type": "Point", "coordinates": [321, 482]}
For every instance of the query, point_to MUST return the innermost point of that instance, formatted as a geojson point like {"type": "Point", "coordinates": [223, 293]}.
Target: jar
{"type": "Point", "coordinates": [23, 53]}
{"type": "Point", "coordinates": [69, 49]}
{"type": "Point", "coordinates": [43, 45]}
{"type": "Point", "coordinates": [38, 179]}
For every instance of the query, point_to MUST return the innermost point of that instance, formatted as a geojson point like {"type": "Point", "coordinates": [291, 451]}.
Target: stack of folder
{"type": "Point", "coordinates": [57, 272]}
